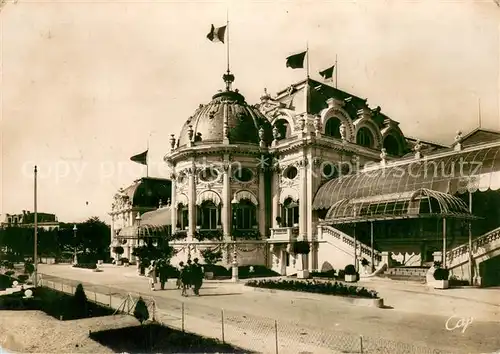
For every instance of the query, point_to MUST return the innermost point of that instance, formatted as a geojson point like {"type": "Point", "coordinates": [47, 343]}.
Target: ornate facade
{"type": "Point", "coordinates": [309, 164]}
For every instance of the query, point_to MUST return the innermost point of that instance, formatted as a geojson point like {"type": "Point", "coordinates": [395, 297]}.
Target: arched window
{"type": "Point", "coordinates": [209, 216]}
{"type": "Point", "coordinates": [391, 145]}
{"type": "Point", "coordinates": [364, 137]}
{"type": "Point", "coordinates": [332, 127]}
{"type": "Point", "coordinates": [290, 212]}
{"type": "Point", "coordinates": [244, 215]}
{"type": "Point", "coordinates": [283, 127]}
{"type": "Point", "coordinates": [182, 216]}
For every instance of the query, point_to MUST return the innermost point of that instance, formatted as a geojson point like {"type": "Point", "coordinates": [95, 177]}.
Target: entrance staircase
{"type": "Point", "coordinates": [414, 274]}
{"type": "Point", "coordinates": [484, 248]}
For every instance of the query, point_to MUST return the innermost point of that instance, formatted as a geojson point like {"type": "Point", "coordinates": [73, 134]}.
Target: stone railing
{"type": "Point", "coordinates": [339, 236]}
{"type": "Point", "coordinates": [285, 234]}
{"type": "Point", "coordinates": [460, 254]}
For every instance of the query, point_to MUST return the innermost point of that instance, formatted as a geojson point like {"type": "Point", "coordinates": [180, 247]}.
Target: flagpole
{"type": "Point", "coordinates": [35, 253]}
{"type": "Point", "coordinates": [479, 111]}
{"type": "Point", "coordinates": [147, 153]}
{"type": "Point", "coordinates": [307, 58]}
{"type": "Point", "coordinates": [227, 46]}
{"type": "Point", "coordinates": [336, 71]}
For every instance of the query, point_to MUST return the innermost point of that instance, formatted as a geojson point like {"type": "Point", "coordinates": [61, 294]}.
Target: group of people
{"type": "Point", "coordinates": [191, 275]}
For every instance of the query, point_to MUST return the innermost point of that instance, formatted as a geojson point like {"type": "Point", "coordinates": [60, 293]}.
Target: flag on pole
{"type": "Point", "coordinates": [216, 34]}
{"type": "Point", "coordinates": [296, 61]}
{"type": "Point", "coordinates": [327, 73]}
{"type": "Point", "coordinates": [141, 158]}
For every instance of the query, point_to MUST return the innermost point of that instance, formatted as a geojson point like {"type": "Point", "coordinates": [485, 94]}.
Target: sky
{"type": "Point", "coordinates": [87, 84]}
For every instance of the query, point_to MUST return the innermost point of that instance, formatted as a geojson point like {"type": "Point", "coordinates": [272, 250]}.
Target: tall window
{"type": "Point", "coordinates": [182, 216]}
{"type": "Point", "coordinates": [209, 216]}
{"type": "Point", "coordinates": [364, 137]}
{"type": "Point", "coordinates": [245, 215]}
{"type": "Point", "coordinates": [391, 145]}
{"type": "Point", "coordinates": [283, 128]}
{"type": "Point", "coordinates": [332, 128]}
{"type": "Point", "coordinates": [290, 212]}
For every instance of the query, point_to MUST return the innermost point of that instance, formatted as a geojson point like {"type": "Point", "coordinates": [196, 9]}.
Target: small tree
{"type": "Point", "coordinates": [141, 311]}
{"type": "Point", "coordinates": [211, 257]}
{"type": "Point", "coordinates": [80, 303]}
{"type": "Point", "coordinates": [119, 251]}
{"type": "Point", "coordinates": [29, 268]}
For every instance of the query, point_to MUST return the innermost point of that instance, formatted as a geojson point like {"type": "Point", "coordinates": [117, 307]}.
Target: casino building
{"type": "Point", "coordinates": [317, 166]}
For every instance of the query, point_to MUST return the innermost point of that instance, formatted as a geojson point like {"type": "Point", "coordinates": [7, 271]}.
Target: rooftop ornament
{"type": "Point", "coordinates": [172, 141]}
{"type": "Point", "coordinates": [262, 143]}
{"type": "Point", "coordinates": [317, 125]}
{"type": "Point", "coordinates": [383, 156]}
{"type": "Point", "coordinates": [276, 135]}
{"type": "Point", "coordinates": [417, 148]}
{"type": "Point", "coordinates": [190, 132]}
{"type": "Point", "coordinates": [458, 141]}
{"type": "Point", "coordinates": [342, 132]}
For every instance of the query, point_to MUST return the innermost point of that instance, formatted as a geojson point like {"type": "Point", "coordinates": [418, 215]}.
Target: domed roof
{"type": "Point", "coordinates": [207, 125]}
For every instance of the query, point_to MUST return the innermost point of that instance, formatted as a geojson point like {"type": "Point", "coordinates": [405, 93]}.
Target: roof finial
{"type": "Point", "coordinates": [228, 79]}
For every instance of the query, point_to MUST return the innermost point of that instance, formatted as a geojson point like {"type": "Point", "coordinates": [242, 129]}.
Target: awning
{"type": "Point", "coordinates": [414, 204]}
{"type": "Point", "coordinates": [472, 169]}
{"type": "Point", "coordinates": [243, 194]}
{"type": "Point", "coordinates": [156, 223]}
{"type": "Point", "coordinates": [208, 196]}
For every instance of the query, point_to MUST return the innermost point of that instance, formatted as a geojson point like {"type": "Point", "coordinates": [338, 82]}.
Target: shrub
{"type": "Point", "coordinates": [218, 270]}
{"type": "Point", "coordinates": [326, 288]}
{"type": "Point", "coordinates": [349, 270]}
{"type": "Point", "coordinates": [22, 278]}
{"type": "Point", "coordinates": [210, 256]}
{"type": "Point", "coordinates": [29, 268]}
{"type": "Point", "coordinates": [118, 250]}
{"type": "Point", "coordinates": [441, 274]}
{"type": "Point", "coordinates": [454, 281]}
{"type": "Point", "coordinates": [258, 271]}
{"type": "Point", "coordinates": [9, 273]}
{"type": "Point", "coordinates": [8, 264]}
{"type": "Point", "coordinates": [327, 274]}
{"type": "Point", "coordinates": [86, 265]}
{"type": "Point", "coordinates": [141, 311]}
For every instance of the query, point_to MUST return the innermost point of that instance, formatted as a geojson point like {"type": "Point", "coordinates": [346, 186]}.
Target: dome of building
{"type": "Point", "coordinates": [208, 123]}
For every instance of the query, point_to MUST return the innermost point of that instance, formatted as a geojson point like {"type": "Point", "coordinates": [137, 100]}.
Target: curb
{"type": "Point", "coordinates": [379, 303]}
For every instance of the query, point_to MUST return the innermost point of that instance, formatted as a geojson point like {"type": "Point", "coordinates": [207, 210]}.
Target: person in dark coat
{"type": "Point", "coordinates": [197, 276]}
{"type": "Point", "coordinates": [185, 278]}
{"type": "Point", "coordinates": [189, 279]}
{"type": "Point", "coordinates": [162, 272]}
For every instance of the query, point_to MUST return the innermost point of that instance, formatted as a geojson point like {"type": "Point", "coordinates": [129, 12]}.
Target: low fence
{"type": "Point", "coordinates": [254, 333]}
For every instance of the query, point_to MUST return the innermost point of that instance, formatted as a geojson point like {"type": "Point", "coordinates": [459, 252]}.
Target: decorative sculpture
{"type": "Point", "coordinates": [172, 141]}
{"type": "Point", "coordinates": [383, 155]}
{"type": "Point", "coordinates": [417, 148]}
{"type": "Point", "coordinates": [342, 131]}
{"type": "Point", "coordinates": [276, 133]}
{"type": "Point", "coordinates": [262, 143]}
{"type": "Point", "coordinates": [317, 125]}
{"type": "Point", "coordinates": [190, 132]}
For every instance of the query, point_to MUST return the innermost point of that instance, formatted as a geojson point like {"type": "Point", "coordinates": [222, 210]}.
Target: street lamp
{"type": "Point", "coordinates": [234, 203]}
{"type": "Point", "coordinates": [75, 259]}
{"type": "Point", "coordinates": [138, 223]}
{"type": "Point", "coordinates": [355, 210]}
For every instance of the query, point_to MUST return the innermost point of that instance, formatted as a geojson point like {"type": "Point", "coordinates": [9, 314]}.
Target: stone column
{"type": "Point", "coordinates": [173, 202]}
{"type": "Point", "coordinates": [303, 199]}
{"type": "Point", "coordinates": [191, 203]}
{"type": "Point", "coordinates": [262, 204]}
{"type": "Point", "coordinates": [310, 189]}
{"type": "Point", "coordinates": [226, 212]}
{"type": "Point", "coordinates": [276, 196]}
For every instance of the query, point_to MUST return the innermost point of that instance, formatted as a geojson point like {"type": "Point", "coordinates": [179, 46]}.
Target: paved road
{"type": "Point", "coordinates": [320, 320]}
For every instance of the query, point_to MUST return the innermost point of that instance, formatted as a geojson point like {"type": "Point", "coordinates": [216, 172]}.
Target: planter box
{"type": "Point", "coordinates": [441, 284]}
{"type": "Point", "coordinates": [350, 278]}
{"type": "Point", "coordinates": [302, 274]}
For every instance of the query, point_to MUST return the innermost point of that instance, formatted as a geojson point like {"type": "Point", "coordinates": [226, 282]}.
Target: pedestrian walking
{"type": "Point", "coordinates": [197, 277]}
{"type": "Point", "coordinates": [179, 276]}
{"type": "Point", "coordinates": [185, 276]}
{"type": "Point", "coordinates": [189, 274]}
{"type": "Point", "coordinates": [161, 266]}
{"type": "Point", "coordinates": [152, 274]}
